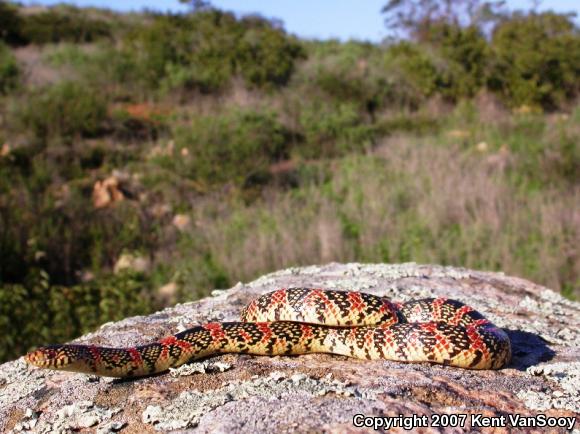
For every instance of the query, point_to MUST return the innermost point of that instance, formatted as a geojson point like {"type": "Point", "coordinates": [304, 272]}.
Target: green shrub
{"type": "Point", "coordinates": [266, 55]}
{"type": "Point", "coordinates": [453, 64]}
{"type": "Point", "coordinates": [63, 24]}
{"type": "Point", "coordinates": [9, 71]}
{"type": "Point", "coordinates": [67, 54]}
{"type": "Point", "coordinates": [198, 273]}
{"type": "Point", "coordinates": [101, 66]}
{"type": "Point", "coordinates": [465, 52]}
{"type": "Point", "coordinates": [214, 54]}
{"type": "Point", "coordinates": [548, 155]}
{"type": "Point", "coordinates": [409, 123]}
{"type": "Point", "coordinates": [168, 54]}
{"type": "Point", "coordinates": [536, 60]}
{"type": "Point", "coordinates": [47, 218]}
{"type": "Point", "coordinates": [48, 221]}
{"type": "Point", "coordinates": [152, 47]}
{"type": "Point", "coordinates": [333, 130]}
{"type": "Point", "coordinates": [10, 24]}
{"type": "Point", "coordinates": [234, 147]}
{"type": "Point", "coordinates": [350, 72]}
{"type": "Point", "coordinates": [65, 110]}
{"type": "Point", "coordinates": [38, 312]}
{"type": "Point", "coordinates": [416, 70]}
{"type": "Point", "coordinates": [204, 50]}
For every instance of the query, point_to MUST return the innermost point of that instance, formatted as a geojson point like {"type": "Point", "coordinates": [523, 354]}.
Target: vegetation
{"type": "Point", "coordinates": [9, 71]}
{"type": "Point", "coordinates": [146, 159]}
{"type": "Point", "coordinates": [64, 112]}
{"type": "Point", "coordinates": [536, 60]}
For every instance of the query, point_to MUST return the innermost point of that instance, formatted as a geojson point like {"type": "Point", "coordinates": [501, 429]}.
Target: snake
{"type": "Point", "coordinates": [294, 321]}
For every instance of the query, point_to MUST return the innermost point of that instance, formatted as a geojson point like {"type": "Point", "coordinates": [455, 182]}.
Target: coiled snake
{"type": "Point", "coordinates": [305, 320]}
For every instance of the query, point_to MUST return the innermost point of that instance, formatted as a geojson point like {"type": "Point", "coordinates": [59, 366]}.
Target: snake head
{"type": "Point", "coordinates": [53, 357]}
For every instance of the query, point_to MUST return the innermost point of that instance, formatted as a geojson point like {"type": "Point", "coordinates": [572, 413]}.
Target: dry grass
{"type": "Point", "coordinates": [408, 202]}
{"type": "Point", "coordinates": [34, 71]}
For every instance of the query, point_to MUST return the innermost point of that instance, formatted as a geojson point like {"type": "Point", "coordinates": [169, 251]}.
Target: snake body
{"type": "Point", "coordinates": [305, 320]}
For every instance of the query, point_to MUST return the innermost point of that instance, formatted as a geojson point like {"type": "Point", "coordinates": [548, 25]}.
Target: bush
{"type": "Point", "coordinates": [465, 52]}
{"type": "Point", "coordinates": [63, 24]}
{"type": "Point", "coordinates": [334, 130]}
{"type": "Point", "coordinates": [536, 60]}
{"type": "Point", "coordinates": [351, 72]}
{"type": "Point", "coordinates": [65, 110]}
{"type": "Point", "coordinates": [10, 24]}
{"type": "Point", "coordinates": [152, 47]}
{"type": "Point", "coordinates": [206, 49]}
{"type": "Point", "coordinates": [452, 64]}
{"type": "Point", "coordinates": [166, 53]}
{"type": "Point", "coordinates": [234, 147]}
{"type": "Point", "coordinates": [266, 55]}
{"type": "Point", "coordinates": [548, 155]}
{"type": "Point", "coordinates": [45, 223]}
{"type": "Point", "coordinates": [111, 70]}
{"type": "Point", "coordinates": [416, 70]}
{"type": "Point", "coordinates": [38, 313]}
{"type": "Point", "coordinates": [9, 72]}
{"type": "Point", "coordinates": [67, 54]}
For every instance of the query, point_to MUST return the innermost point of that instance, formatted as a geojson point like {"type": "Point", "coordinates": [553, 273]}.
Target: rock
{"type": "Point", "coordinates": [131, 261]}
{"type": "Point", "coordinates": [85, 275]}
{"type": "Point", "coordinates": [160, 210]}
{"type": "Point", "coordinates": [168, 293]}
{"type": "Point", "coordinates": [5, 150]}
{"type": "Point", "coordinates": [458, 134]}
{"type": "Point", "coordinates": [182, 221]}
{"type": "Point", "coordinates": [106, 192]}
{"type": "Point", "coordinates": [319, 392]}
{"type": "Point", "coordinates": [482, 146]}
{"type": "Point", "coordinates": [162, 151]}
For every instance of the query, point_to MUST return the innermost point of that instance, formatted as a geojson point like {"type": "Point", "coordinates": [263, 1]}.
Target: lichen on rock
{"type": "Point", "coordinates": [314, 392]}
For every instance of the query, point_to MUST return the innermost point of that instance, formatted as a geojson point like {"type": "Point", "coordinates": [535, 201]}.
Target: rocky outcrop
{"type": "Point", "coordinates": [318, 392]}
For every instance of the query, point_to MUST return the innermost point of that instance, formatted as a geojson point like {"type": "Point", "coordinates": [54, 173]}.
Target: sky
{"type": "Point", "coordinates": [320, 19]}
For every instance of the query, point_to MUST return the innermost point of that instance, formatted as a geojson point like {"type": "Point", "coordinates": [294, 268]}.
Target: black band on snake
{"type": "Point", "coordinates": [305, 320]}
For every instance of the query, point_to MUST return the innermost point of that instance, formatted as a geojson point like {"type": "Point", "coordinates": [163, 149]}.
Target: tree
{"type": "Point", "coordinates": [415, 18]}
{"type": "Point", "coordinates": [536, 59]}
{"type": "Point", "coordinates": [198, 5]}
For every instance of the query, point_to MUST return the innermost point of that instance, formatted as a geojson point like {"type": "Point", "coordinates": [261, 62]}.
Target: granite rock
{"type": "Point", "coordinates": [318, 392]}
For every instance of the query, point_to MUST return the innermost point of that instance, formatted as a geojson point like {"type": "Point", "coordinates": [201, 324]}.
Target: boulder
{"type": "Point", "coordinates": [320, 392]}
{"type": "Point", "coordinates": [132, 261]}
{"type": "Point", "coordinates": [107, 192]}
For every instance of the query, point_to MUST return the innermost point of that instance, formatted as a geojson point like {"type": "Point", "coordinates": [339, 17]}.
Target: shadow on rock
{"type": "Point", "coordinates": [528, 349]}
{"type": "Point", "coordinates": [129, 380]}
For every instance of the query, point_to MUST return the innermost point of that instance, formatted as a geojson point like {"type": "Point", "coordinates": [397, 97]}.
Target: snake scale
{"type": "Point", "coordinates": [306, 320]}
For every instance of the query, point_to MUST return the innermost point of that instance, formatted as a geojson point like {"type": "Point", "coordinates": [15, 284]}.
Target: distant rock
{"type": "Point", "coordinates": [107, 192]}
{"type": "Point", "coordinates": [168, 293]}
{"type": "Point", "coordinates": [317, 392]}
{"type": "Point", "coordinates": [458, 134]}
{"type": "Point", "coordinates": [131, 261]}
{"type": "Point", "coordinates": [5, 150]}
{"type": "Point", "coordinates": [182, 222]}
{"type": "Point", "coordinates": [482, 146]}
